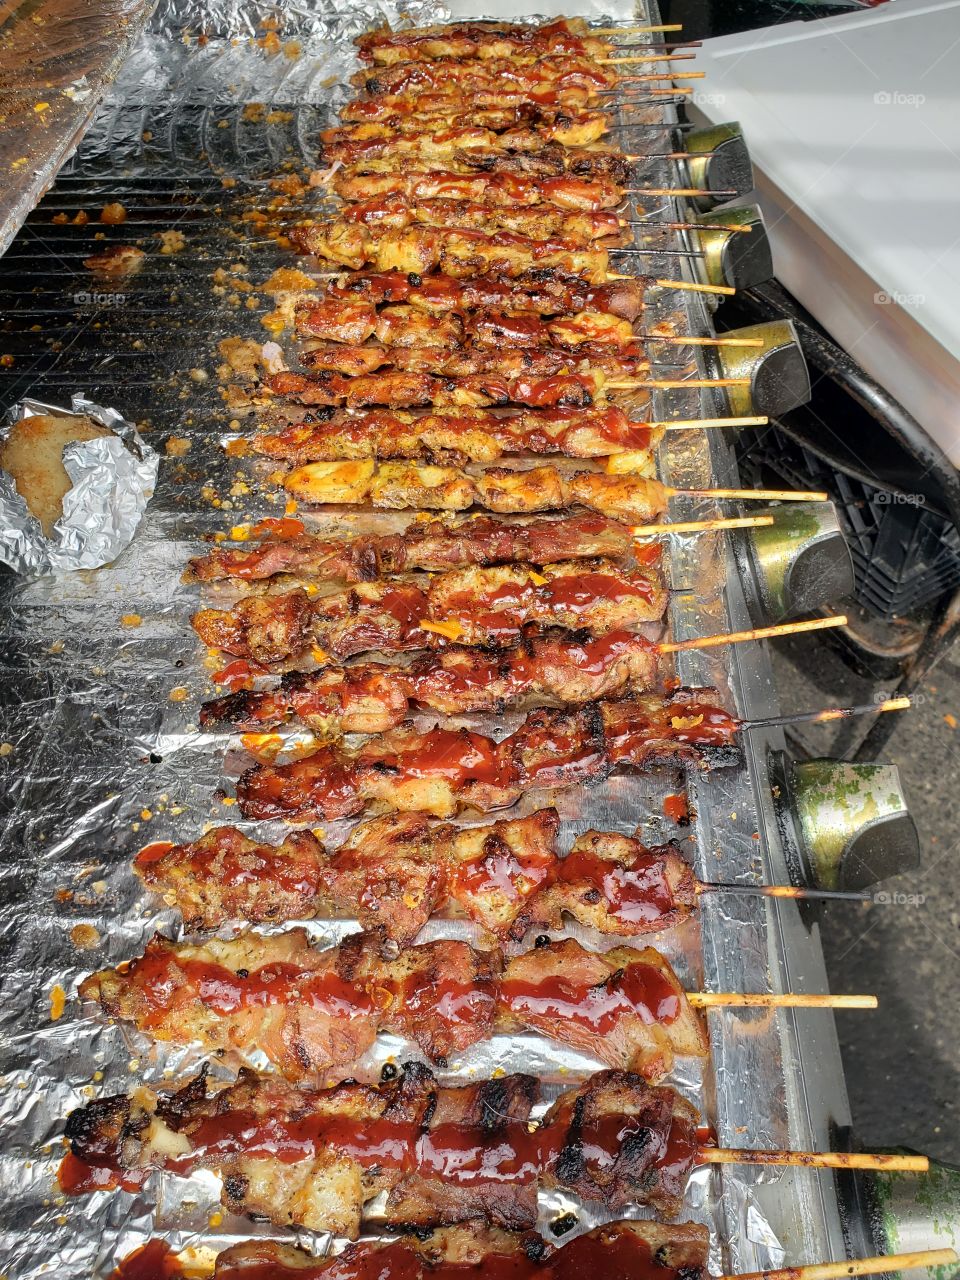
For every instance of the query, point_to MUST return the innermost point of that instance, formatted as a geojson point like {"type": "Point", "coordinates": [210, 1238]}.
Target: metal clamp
{"type": "Point", "coordinates": [779, 378]}
{"type": "Point", "coordinates": [738, 258]}
{"type": "Point", "coordinates": [719, 161]}
{"type": "Point", "coordinates": [847, 824]}
{"type": "Point", "coordinates": [795, 565]}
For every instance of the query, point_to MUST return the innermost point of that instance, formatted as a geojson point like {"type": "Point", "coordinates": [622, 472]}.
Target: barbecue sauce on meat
{"type": "Point", "coordinates": [636, 892]}
{"type": "Point", "coordinates": [639, 990]}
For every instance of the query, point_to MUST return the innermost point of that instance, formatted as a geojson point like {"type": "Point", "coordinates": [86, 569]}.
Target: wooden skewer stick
{"type": "Point", "coordinates": [676, 191]}
{"type": "Point", "coordinates": [674, 384]}
{"type": "Point", "coordinates": [698, 526]}
{"type": "Point", "coordinates": [789, 1000]}
{"type": "Point", "coordinates": [680, 226]}
{"type": "Point", "coordinates": [755, 633]}
{"type": "Point", "coordinates": [813, 1160]}
{"type": "Point", "coordinates": [763, 495]}
{"type": "Point", "coordinates": [651, 75]}
{"type": "Point", "coordinates": [687, 286]}
{"type": "Point", "coordinates": [685, 424]}
{"type": "Point", "coordinates": [829, 714]}
{"type": "Point", "coordinates": [875, 1266]}
{"type": "Point", "coordinates": [783, 891]}
{"type": "Point", "coordinates": [663, 57]}
{"type": "Point", "coordinates": [614, 31]}
{"type": "Point", "coordinates": [681, 340]}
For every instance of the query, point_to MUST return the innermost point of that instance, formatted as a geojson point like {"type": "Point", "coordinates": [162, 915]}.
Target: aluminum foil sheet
{"type": "Point", "coordinates": [113, 479]}
{"type": "Point", "coordinates": [101, 679]}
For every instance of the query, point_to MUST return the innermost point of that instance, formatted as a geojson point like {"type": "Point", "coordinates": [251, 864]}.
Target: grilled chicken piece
{"type": "Point", "coordinates": [540, 292]}
{"type": "Point", "coordinates": [471, 359]}
{"type": "Point", "coordinates": [441, 771]}
{"type": "Point", "coordinates": [307, 1010]}
{"type": "Point", "coordinates": [624, 1007]}
{"type": "Point", "coordinates": [487, 606]}
{"type": "Point", "coordinates": [509, 75]}
{"type": "Point", "coordinates": [374, 697]}
{"type": "Point", "coordinates": [566, 192]}
{"type": "Point", "coordinates": [618, 1249]}
{"type": "Point", "coordinates": [224, 875]}
{"type": "Point", "coordinates": [444, 1155]}
{"type": "Point", "coordinates": [437, 544]}
{"type": "Point", "coordinates": [564, 37]}
{"type": "Point", "coordinates": [395, 871]}
{"type": "Point", "coordinates": [402, 486]}
{"type": "Point", "coordinates": [467, 434]}
{"type": "Point", "coordinates": [401, 390]}
{"type": "Point", "coordinates": [570, 124]}
{"type": "Point", "coordinates": [273, 994]}
{"type": "Point", "coordinates": [458, 251]}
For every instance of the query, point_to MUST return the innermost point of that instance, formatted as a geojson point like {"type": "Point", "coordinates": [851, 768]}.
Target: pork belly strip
{"type": "Point", "coordinates": [444, 1155]}
{"type": "Point", "coordinates": [395, 871]}
{"type": "Point", "coordinates": [309, 1010]}
{"type": "Point", "coordinates": [486, 607]}
{"type": "Point", "coordinates": [469, 360]}
{"type": "Point", "coordinates": [544, 292]}
{"type": "Point", "coordinates": [441, 543]}
{"type": "Point", "coordinates": [568, 668]}
{"type": "Point", "coordinates": [402, 486]}
{"type": "Point", "coordinates": [441, 771]}
{"type": "Point", "coordinates": [643, 1250]}
{"type": "Point", "coordinates": [472, 435]}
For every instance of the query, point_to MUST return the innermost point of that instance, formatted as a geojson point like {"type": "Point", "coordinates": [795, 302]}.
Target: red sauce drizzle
{"type": "Point", "coordinates": [76, 1178]}
{"type": "Point", "coordinates": [637, 893]}
{"type": "Point", "coordinates": [154, 1260]}
{"type": "Point", "coordinates": [237, 675]}
{"type": "Point", "coordinates": [153, 852]}
{"type": "Point", "coordinates": [675, 808]}
{"type": "Point", "coordinates": [639, 990]}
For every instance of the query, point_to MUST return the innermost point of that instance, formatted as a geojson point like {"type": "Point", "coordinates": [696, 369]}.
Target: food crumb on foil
{"type": "Point", "coordinates": [112, 477]}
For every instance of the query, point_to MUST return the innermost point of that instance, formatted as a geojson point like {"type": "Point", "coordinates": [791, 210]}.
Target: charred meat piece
{"type": "Point", "coordinates": [395, 871]}
{"type": "Point", "coordinates": [468, 361]}
{"type": "Point", "coordinates": [434, 545]}
{"type": "Point", "coordinates": [488, 606]}
{"type": "Point", "coordinates": [543, 73]}
{"type": "Point", "coordinates": [444, 1155]}
{"type": "Point", "coordinates": [563, 38]}
{"type": "Point", "coordinates": [441, 771]}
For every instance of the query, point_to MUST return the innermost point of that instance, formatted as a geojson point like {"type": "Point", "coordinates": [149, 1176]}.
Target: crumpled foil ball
{"type": "Point", "coordinates": [113, 480]}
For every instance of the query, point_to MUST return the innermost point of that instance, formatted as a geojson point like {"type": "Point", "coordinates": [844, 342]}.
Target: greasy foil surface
{"type": "Point", "coordinates": [101, 675]}
{"type": "Point", "coordinates": [112, 478]}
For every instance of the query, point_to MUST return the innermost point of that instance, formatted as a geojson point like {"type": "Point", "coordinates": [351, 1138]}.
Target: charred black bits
{"type": "Point", "coordinates": [154, 758]}
{"type": "Point", "coordinates": [560, 1226]}
{"type": "Point", "coordinates": [243, 973]}
{"type": "Point", "coordinates": [414, 280]}
{"type": "Point", "coordinates": [389, 1072]}
{"type": "Point", "coordinates": [542, 940]}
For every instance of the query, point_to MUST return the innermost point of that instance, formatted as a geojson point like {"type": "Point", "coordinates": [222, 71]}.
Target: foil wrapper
{"type": "Point", "coordinates": [113, 479]}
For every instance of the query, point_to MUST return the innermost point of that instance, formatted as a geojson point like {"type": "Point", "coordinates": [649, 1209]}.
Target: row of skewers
{"type": "Point", "coordinates": [471, 256]}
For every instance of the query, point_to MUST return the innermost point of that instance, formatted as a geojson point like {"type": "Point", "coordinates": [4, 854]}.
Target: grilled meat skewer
{"type": "Point", "coordinates": [374, 697]}
{"type": "Point", "coordinates": [549, 74]}
{"type": "Point", "coordinates": [315, 1157]}
{"type": "Point", "coordinates": [399, 486]}
{"type": "Point", "coordinates": [477, 606]}
{"type": "Point", "coordinates": [396, 871]}
{"type": "Point", "coordinates": [458, 251]}
{"type": "Point", "coordinates": [452, 435]}
{"type": "Point", "coordinates": [512, 190]}
{"type": "Point", "coordinates": [310, 1010]}
{"type": "Point", "coordinates": [641, 1250]}
{"type": "Point", "coordinates": [541, 222]}
{"type": "Point", "coordinates": [441, 771]}
{"type": "Point", "coordinates": [435, 545]}
{"type": "Point", "coordinates": [468, 360]}
{"type": "Point", "coordinates": [430, 137]}
{"type": "Point", "coordinates": [567, 37]}
{"type": "Point", "coordinates": [546, 292]}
